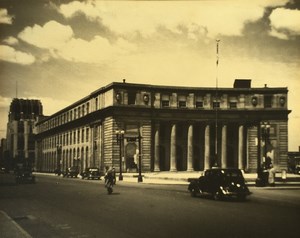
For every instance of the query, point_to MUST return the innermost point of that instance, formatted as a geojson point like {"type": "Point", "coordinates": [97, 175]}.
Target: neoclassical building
{"type": "Point", "coordinates": [171, 128]}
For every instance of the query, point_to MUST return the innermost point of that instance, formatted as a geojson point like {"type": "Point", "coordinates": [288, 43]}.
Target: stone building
{"type": "Point", "coordinates": [171, 128]}
{"type": "Point", "coordinates": [20, 141]}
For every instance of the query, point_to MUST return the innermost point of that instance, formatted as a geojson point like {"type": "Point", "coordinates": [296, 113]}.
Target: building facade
{"type": "Point", "coordinates": [168, 128]}
{"type": "Point", "coordinates": [20, 141]}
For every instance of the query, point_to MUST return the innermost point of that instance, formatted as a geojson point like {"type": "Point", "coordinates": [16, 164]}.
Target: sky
{"type": "Point", "coordinates": [60, 51]}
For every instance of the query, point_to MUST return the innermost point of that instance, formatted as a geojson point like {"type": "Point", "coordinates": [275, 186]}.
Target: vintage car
{"type": "Point", "coordinates": [24, 174]}
{"type": "Point", "coordinates": [72, 171]}
{"type": "Point", "coordinates": [220, 183]}
{"type": "Point", "coordinates": [91, 173]}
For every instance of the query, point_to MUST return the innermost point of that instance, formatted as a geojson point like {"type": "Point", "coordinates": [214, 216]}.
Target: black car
{"type": "Point", "coordinates": [24, 175]}
{"type": "Point", "coordinates": [91, 173]}
{"type": "Point", "coordinates": [72, 172]}
{"type": "Point", "coordinates": [220, 183]}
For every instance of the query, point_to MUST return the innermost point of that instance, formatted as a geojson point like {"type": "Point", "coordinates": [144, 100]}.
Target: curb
{"type": "Point", "coordinates": [9, 228]}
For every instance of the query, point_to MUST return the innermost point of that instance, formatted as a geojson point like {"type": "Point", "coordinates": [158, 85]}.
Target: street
{"type": "Point", "coordinates": [65, 207]}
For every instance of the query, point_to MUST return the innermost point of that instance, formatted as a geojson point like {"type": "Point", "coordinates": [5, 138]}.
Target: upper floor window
{"type": "Point", "coordinates": [181, 101]}
{"type": "Point", "coordinates": [216, 104]}
{"type": "Point", "coordinates": [79, 111]}
{"type": "Point", "coordinates": [199, 104]}
{"type": "Point", "coordinates": [75, 113]}
{"type": "Point", "coordinates": [268, 101]}
{"type": "Point", "coordinates": [87, 108]}
{"type": "Point", "coordinates": [83, 110]}
{"type": "Point", "coordinates": [131, 98]}
{"type": "Point", "coordinates": [165, 101]}
{"type": "Point", "coordinates": [96, 104]}
{"type": "Point", "coordinates": [232, 105]}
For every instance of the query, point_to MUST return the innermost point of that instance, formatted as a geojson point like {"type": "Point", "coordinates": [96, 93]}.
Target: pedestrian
{"type": "Point", "coordinates": [272, 173]}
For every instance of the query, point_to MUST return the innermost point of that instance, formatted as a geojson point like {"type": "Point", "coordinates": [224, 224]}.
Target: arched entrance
{"type": "Point", "coordinates": [131, 157]}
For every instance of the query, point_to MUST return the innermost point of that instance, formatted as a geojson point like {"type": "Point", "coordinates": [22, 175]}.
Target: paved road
{"type": "Point", "coordinates": [61, 207]}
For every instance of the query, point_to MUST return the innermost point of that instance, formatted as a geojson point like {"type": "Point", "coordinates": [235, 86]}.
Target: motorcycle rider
{"type": "Point", "coordinates": [110, 178]}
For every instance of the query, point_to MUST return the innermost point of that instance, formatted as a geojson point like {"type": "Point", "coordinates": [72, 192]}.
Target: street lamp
{"type": "Point", "coordinates": [140, 178]}
{"type": "Point", "coordinates": [59, 162]}
{"type": "Point", "coordinates": [120, 139]}
{"type": "Point", "coordinates": [265, 131]}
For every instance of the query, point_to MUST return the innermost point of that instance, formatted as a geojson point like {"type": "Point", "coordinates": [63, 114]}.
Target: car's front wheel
{"type": "Point", "coordinates": [217, 196]}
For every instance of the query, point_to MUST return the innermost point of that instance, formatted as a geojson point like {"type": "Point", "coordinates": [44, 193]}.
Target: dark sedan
{"type": "Point", "coordinates": [91, 173]}
{"type": "Point", "coordinates": [72, 171]}
{"type": "Point", "coordinates": [220, 183]}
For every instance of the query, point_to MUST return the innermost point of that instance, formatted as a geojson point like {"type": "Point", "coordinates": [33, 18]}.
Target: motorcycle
{"type": "Point", "coordinates": [109, 186]}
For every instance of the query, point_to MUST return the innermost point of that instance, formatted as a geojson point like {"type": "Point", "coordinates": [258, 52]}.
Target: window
{"type": "Point", "coordinates": [199, 104]}
{"type": "Point", "coordinates": [268, 101]}
{"type": "Point", "coordinates": [233, 105]}
{"type": "Point", "coordinates": [79, 112]}
{"type": "Point", "coordinates": [131, 98]}
{"type": "Point", "coordinates": [182, 104]}
{"type": "Point", "coordinates": [87, 135]}
{"type": "Point", "coordinates": [165, 103]}
{"type": "Point", "coordinates": [96, 104]}
{"type": "Point", "coordinates": [78, 136]}
{"type": "Point", "coordinates": [216, 104]}
{"type": "Point", "coordinates": [74, 137]}
{"type": "Point", "coordinates": [181, 101]}
{"type": "Point", "coordinates": [87, 108]}
{"type": "Point", "coordinates": [82, 136]}
{"type": "Point", "coordinates": [165, 100]}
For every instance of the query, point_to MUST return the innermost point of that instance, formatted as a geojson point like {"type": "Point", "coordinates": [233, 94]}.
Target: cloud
{"type": "Point", "coordinates": [52, 35]}
{"type": "Point", "coordinates": [95, 51]}
{"type": "Point", "coordinates": [11, 55]}
{"type": "Point", "coordinates": [4, 17]}
{"type": "Point", "coordinates": [64, 45]}
{"type": "Point", "coordinates": [11, 40]}
{"type": "Point", "coordinates": [285, 23]}
{"type": "Point", "coordinates": [146, 17]}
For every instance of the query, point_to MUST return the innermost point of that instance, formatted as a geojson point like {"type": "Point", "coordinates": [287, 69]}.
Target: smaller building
{"type": "Point", "coordinates": [23, 114]}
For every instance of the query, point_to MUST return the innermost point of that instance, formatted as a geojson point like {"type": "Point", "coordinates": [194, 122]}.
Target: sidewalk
{"type": "Point", "coordinates": [10, 229]}
{"type": "Point", "coordinates": [182, 178]}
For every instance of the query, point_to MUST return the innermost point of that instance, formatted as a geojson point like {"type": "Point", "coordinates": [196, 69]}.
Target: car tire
{"type": "Point", "coordinates": [216, 196]}
{"type": "Point", "coordinates": [193, 192]}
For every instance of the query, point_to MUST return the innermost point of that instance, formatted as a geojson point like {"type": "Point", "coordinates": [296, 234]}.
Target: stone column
{"type": "Point", "coordinates": [190, 150]}
{"type": "Point", "coordinates": [173, 162]}
{"type": "Point", "coordinates": [224, 147]}
{"type": "Point", "coordinates": [26, 137]}
{"type": "Point", "coordinates": [241, 147]}
{"type": "Point", "coordinates": [207, 148]}
{"type": "Point", "coordinates": [156, 149]}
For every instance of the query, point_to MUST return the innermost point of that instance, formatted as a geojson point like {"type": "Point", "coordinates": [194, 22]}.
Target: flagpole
{"type": "Point", "coordinates": [217, 105]}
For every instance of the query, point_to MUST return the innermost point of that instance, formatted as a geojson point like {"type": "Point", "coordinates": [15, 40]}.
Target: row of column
{"type": "Point", "coordinates": [190, 152]}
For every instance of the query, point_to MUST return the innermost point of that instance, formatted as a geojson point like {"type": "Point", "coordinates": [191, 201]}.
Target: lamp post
{"type": "Point", "coordinates": [140, 178]}
{"type": "Point", "coordinates": [120, 138]}
{"type": "Point", "coordinates": [265, 130]}
{"type": "Point", "coordinates": [263, 135]}
{"type": "Point", "coordinates": [59, 162]}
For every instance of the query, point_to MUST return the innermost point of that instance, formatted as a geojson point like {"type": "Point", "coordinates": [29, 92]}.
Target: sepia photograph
{"type": "Point", "coordinates": [149, 119]}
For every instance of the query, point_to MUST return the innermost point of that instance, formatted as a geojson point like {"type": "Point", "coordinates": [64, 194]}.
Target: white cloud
{"type": "Point", "coordinates": [52, 35]}
{"type": "Point", "coordinates": [11, 55]}
{"type": "Point", "coordinates": [11, 40]}
{"type": "Point", "coordinates": [285, 22]}
{"type": "Point", "coordinates": [146, 16]}
{"type": "Point", "coordinates": [97, 50]}
{"type": "Point", "coordinates": [4, 17]}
